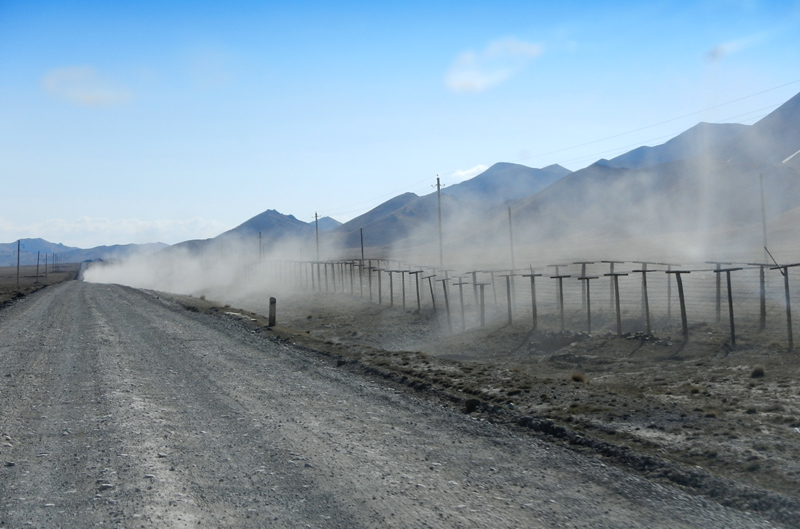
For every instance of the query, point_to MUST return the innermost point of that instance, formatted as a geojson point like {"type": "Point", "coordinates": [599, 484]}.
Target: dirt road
{"type": "Point", "coordinates": [122, 409]}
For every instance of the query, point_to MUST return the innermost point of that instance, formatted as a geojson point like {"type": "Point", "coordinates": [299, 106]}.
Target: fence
{"type": "Point", "coordinates": [617, 296]}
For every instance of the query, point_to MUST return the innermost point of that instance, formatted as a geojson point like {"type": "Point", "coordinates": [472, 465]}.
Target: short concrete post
{"type": "Point", "coordinates": [272, 303]}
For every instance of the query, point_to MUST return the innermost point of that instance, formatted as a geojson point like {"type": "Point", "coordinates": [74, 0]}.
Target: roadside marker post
{"type": "Point", "coordinates": [272, 303]}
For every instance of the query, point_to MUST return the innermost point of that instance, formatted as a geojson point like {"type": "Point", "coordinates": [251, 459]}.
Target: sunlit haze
{"type": "Point", "coordinates": [165, 121]}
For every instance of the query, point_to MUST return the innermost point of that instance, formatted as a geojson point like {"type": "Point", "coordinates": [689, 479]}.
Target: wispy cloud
{"type": "Point", "coordinates": [84, 86]}
{"type": "Point", "coordinates": [465, 174]}
{"type": "Point", "coordinates": [495, 64]}
{"type": "Point", "coordinates": [734, 46]}
{"type": "Point", "coordinates": [87, 232]}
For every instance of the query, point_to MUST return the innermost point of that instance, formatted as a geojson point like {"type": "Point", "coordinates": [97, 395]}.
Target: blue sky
{"type": "Point", "coordinates": [166, 121]}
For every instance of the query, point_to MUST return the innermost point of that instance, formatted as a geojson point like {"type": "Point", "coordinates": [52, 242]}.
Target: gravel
{"type": "Point", "coordinates": [123, 409]}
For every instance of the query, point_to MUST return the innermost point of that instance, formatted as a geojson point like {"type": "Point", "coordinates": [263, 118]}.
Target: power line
{"type": "Point", "coordinates": [417, 186]}
{"type": "Point", "coordinates": [660, 122]}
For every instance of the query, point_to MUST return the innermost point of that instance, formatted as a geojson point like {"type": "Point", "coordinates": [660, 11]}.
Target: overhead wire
{"type": "Point", "coordinates": [350, 208]}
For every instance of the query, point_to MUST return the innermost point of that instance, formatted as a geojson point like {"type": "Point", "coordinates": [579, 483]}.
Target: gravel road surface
{"type": "Point", "coordinates": [123, 409]}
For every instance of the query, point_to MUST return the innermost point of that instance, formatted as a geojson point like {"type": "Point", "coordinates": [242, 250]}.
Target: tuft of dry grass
{"type": "Point", "coordinates": [578, 377]}
{"type": "Point", "coordinates": [758, 372]}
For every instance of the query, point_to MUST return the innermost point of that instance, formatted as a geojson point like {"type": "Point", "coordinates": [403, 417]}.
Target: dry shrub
{"type": "Point", "coordinates": [757, 372]}
{"type": "Point", "coordinates": [578, 377]}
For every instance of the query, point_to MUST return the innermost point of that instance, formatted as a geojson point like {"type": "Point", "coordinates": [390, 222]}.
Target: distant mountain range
{"type": "Point", "coordinates": [706, 178]}
{"type": "Point", "coordinates": [30, 248]}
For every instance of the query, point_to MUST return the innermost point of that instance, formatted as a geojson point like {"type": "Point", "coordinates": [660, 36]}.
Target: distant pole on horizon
{"type": "Point", "coordinates": [18, 244]}
{"type": "Point", "coordinates": [511, 247]}
{"type": "Point", "coordinates": [362, 245]}
{"type": "Point", "coordinates": [439, 204]}
{"type": "Point", "coordinates": [763, 217]}
{"type": "Point", "coordinates": [511, 239]}
{"type": "Point", "coordinates": [316, 229]}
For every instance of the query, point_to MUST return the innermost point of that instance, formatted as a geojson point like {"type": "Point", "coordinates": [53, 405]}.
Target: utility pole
{"type": "Point", "coordinates": [511, 239]}
{"type": "Point", "coordinates": [511, 248]}
{"type": "Point", "coordinates": [316, 230]}
{"type": "Point", "coordinates": [763, 216]}
{"type": "Point", "coordinates": [18, 244]}
{"type": "Point", "coordinates": [439, 204]}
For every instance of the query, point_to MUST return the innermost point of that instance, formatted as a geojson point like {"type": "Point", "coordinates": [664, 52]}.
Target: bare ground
{"type": "Point", "coordinates": [718, 421]}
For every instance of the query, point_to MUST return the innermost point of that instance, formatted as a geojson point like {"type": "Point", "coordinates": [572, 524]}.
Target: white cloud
{"type": "Point", "coordinates": [465, 174]}
{"type": "Point", "coordinates": [494, 65]}
{"type": "Point", "coordinates": [88, 232]}
{"type": "Point", "coordinates": [84, 86]}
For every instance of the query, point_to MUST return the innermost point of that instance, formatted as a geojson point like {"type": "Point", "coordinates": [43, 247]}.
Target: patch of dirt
{"type": "Point", "coordinates": [16, 284]}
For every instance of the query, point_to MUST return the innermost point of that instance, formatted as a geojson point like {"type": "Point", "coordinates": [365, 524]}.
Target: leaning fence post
{"type": "Point", "coordinates": [475, 285]}
{"type": "Point", "coordinates": [557, 267]}
{"type": "Point", "coordinates": [446, 303]}
{"type": "Point", "coordinates": [391, 287]}
{"type": "Point", "coordinates": [645, 299]}
{"type": "Point", "coordinates": [611, 283]}
{"type": "Point", "coordinates": [615, 278]}
{"type": "Point", "coordinates": [762, 284]}
{"type": "Point", "coordinates": [719, 287]}
{"type": "Point", "coordinates": [460, 286]}
{"type": "Point", "coordinates": [785, 272]}
{"type": "Point", "coordinates": [533, 296]}
{"type": "Point", "coordinates": [430, 284]}
{"type": "Point", "coordinates": [380, 288]}
{"type": "Point", "coordinates": [416, 280]}
{"type": "Point", "coordinates": [481, 301]}
{"type": "Point", "coordinates": [728, 271]}
{"type": "Point", "coordinates": [679, 280]}
{"type": "Point", "coordinates": [586, 280]}
{"type": "Point", "coordinates": [560, 294]}
{"type": "Point", "coordinates": [583, 285]}
{"type": "Point", "coordinates": [508, 292]}
{"type": "Point", "coordinates": [403, 286]}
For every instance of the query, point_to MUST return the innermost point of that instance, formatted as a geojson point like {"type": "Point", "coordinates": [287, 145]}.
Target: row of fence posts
{"type": "Point", "coordinates": [337, 276]}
